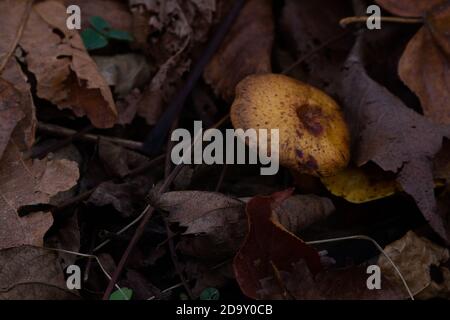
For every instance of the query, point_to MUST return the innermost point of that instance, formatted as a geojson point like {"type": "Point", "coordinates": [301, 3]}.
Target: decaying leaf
{"type": "Point", "coordinates": [418, 259]}
{"type": "Point", "coordinates": [30, 273]}
{"type": "Point", "coordinates": [65, 74]}
{"type": "Point", "coordinates": [298, 212]}
{"type": "Point", "coordinates": [169, 31]}
{"type": "Point", "coordinates": [359, 186]}
{"type": "Point", "coordinates": [408, 8]}
{"type": "Point", "coordinates": [425, 65]}
{"type": "Point", "coordinates": [269, 249]}
{"type": "Point", "coordinates": [124, 72]}
{"type": "Point", "coordinates": [10, 112]}
{"type": "Point", "coordinates": [217, 225]}
{"type": "Point", "coordinates": [391, 135]}
{"type": "Point", "coordinates": [246, 50]}
{"type": "Point", "coordinates": [28, 182]}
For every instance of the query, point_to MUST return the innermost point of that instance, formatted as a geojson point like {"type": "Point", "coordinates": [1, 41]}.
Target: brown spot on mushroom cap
{"type": "Point", "coordinates": [308, 119]}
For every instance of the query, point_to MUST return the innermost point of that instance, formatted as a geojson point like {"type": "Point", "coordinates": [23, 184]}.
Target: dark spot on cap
{"type": "Point", "coordinates": [299, 153]}
{"type": "Point", "coordinates": [310, 117]}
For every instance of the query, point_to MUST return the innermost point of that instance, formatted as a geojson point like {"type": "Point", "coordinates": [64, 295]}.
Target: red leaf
{"type": "Point", "coordinates": [269, 248]}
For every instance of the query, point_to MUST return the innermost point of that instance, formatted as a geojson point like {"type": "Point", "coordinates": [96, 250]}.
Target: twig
{"type": "Point", "coordinates": [221, 178]}
{"type": "Point", "coordinates": [366, 238]}
{"type": "Point", "coordinates": [158, 135]}
{"type": "Point", "coordinates": [89, 256]}
{"type": "Point", "coordinates": [41, 153]}
{"type": "Point", "coordinates": [146, 215]}
{"type": "Point", "coordinates": [363, 19]}
{"type": "Point", "coordinates": [65, 132]}
{"type": "Point", "coordinates": [18, 36]}
{"type": "Point", "coordinates": [173, 256]}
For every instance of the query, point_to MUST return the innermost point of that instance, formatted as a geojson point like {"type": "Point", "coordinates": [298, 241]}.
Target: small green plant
{"type": "Point", "coordinates": [123, 294]}
{"type": "Point", "coordinates": [210, 294]}
{"type": "Point", "coordinates": [101, 33]}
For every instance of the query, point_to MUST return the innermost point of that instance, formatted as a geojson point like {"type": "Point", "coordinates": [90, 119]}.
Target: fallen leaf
{"type": "Point", "coordinates": [10, 112]}
{"type": "Point", "coordinates": [425, 66]}
{"type": "Point", "coordinates": [168, 31]}
{"type": "Point", "coordinates": [408, 8]}
{"type": "Point", "coordinates": [29, 182]}
{"type": "Point", "coordinates": [298, 212]}
{"type": "Point", "coordinates": [217, 225]}
{"type": "Point", "coordinates": [415, 257]}
{"type": "Point", "coordinates": [337, 284]}
{"type": "Point", "coordinates": [124, 72]}
{"type": "Point", "coordinates": [217, 218]}
{"type": "Point", "coordinates": [65, 74]}
{"type": "Point", "coordinates": [357, 185]}
{"type": "Point", "coordinates": [391, 135]}
{"type": "Point", "coordinates": [246, 50]}
{"type": "Point", "coordinates": [269, 249]}
{"type": "Point", "coordinates": [30, 273]}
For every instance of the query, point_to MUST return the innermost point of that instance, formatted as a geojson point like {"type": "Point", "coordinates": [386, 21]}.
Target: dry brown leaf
{"type": "Point", "coordinates": [246, 50]}
{"type": "Point", "coordinates": [10, 112]}
{"type": "Point", "coordinates": [29, 273]}
{"type": "Point", "coordinates": [168, 31]}
{"type": "Point", "coordinates": [217, 225]}
{"type": "Point", "coordinates": [65, 73]}
{"type": "Point", "coordinates": [28, 182]}
{"type": "Point", "coordinates": [408, 8]}
{"type": "Point", "coordinates": [415, 256]}
{"type": "Point", "coordinates": [391, 135]}
{"type": "Point", "coordinates": [425, 65]}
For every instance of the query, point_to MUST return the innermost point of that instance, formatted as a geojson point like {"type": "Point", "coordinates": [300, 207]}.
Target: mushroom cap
{"type": "Point", "coordinates": [314, 137]}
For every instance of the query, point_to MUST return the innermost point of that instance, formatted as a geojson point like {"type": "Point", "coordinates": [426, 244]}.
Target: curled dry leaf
{"type": "Point", "coordinates": [65, 74]}
{"type": "Point", "coordinates": [314, 138]}
{"type": "Point", "coordinates": [408, 8]}
{"type": "Point", "coordinates": [358, 186]}
{"type": "Point", "coordinates": [416, 257]}
{"type": "Point", "coordinates": [269, 249]}
{"type": "Point", "coordinates": [217, 218]}
{"type": "Point", "coordinates": [28, 182]}
{"type": "Point", "coordinates": [246, 50]}
{"type": "Point", "coordinates": [425, 65]}
{"type": "Point", "coordinates": [391, 135]}
{"type": "Point", "coordinates": [30, 273]}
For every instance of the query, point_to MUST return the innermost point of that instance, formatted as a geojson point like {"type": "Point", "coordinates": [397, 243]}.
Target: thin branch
{"type": "Point", "coordinates": [363, 19]}
{"type": "Point", "coordinates": [314, 51]}
{"type": "Point", "coordinates": [65, 132]}
{"type": "Point", "coordinates": [173, 256]}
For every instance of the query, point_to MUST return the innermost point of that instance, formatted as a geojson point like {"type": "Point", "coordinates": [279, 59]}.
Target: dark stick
{"type": "Point", "coordinates": [157, 137]}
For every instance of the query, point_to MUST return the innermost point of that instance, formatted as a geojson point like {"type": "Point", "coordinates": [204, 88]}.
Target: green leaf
{"type": "Point", "coordinates": [119, 35]}
{"type": "Point", "coordinates": [126, 294]}
{"type": "Point", "coordinates": [210, 294]}
{"type": "Point", "coordinates": [100, 24]}
{"type": "Point", "coordinates": [93, 40]}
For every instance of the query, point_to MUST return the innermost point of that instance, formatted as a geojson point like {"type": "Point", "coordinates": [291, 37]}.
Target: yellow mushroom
{"type": "Point", "coordinates": [314, 138]}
